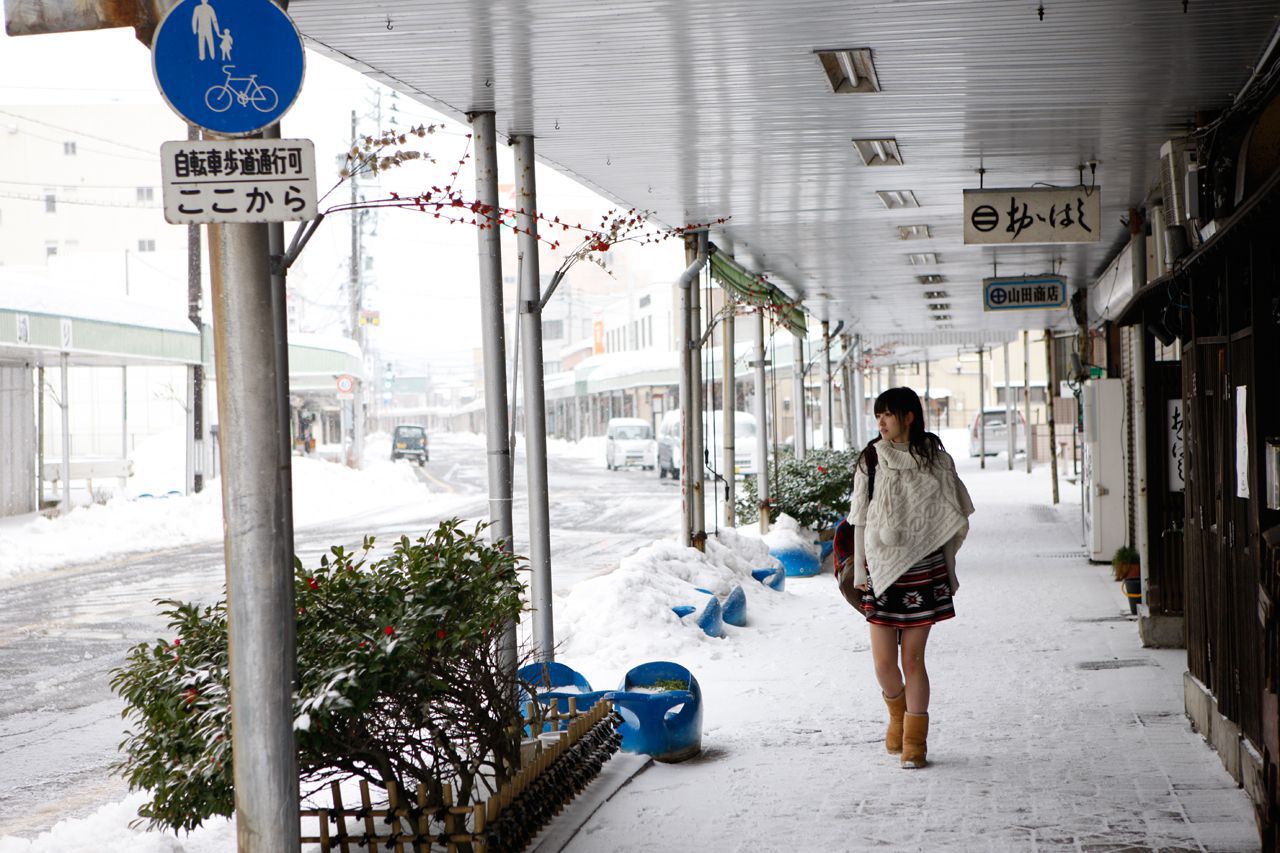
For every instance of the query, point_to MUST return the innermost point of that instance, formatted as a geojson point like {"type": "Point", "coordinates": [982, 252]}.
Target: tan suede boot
{"type": "Point", "coordinates": [897, 707]}
{"type": "Point", "coordinates": [915, 734]}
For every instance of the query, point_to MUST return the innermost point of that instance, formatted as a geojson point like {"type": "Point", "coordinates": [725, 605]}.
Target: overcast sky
{"type": "Point", "coordinates": [424, 274]}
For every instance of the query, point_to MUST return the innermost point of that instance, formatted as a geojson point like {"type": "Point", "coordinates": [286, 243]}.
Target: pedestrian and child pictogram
{"type": "Point", "coordinates": [232, 67]}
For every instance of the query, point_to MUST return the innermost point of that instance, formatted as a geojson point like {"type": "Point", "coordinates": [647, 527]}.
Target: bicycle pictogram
{"type": "Point", "coordinates": [245, 91]}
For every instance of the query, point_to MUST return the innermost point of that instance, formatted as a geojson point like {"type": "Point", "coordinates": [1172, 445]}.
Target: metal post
{"type": "Point", "coordinates": [729, 407]}
{"type": "Point", "coordinates": [40, 431]}
{"type": "Point", "coordinates": [1011, 429]}
{"type": "Point", "coordinates": [982, 409]}
{"type": "Point", "coordinates": [1026, 390]}
{"type": "Point", "coordinates": [1141, 542]}
{"type": "Point", "coordinates": [687, 389]}
{"type": "Point", "coordinates": [495, 349]}
{"type": "Point", "coordinates": [64, 402]}
{"type": "Point", "coordinates": [260, 600]}
{"type": "Point", "coordinates": [284, 414]}
{"type": "Point", "coordinates": [124, 421]}
{"type": "Point", "coordinates": [846, 379]}
{"type": "Point", "coordinates": [535, 427]}
{"type": "Point", "coordinates": [798, 407]}
{"type": "Point", "coordinates": [1048, 386]}
{"type": "Point", "coordinates": [762, 425]}
{"type": "Point", "coordinates": [195, 373]}
{"type": "Point", "coordinates": [859, 395]}
{"type": "Point", "coordinates": [697, 474]}
{"type": "Point", "coordinates": [828, 427]}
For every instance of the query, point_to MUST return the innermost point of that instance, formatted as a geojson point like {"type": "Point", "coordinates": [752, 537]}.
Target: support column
{"type": "Point", "coordinates": [1026, 391]}
{"type": "Point", "coordinates": [729, 406]}
{"type": "Point", "coordinates": [124, 422]}
{"type": "Point", "coordinates": [260, 599]}
{"type": "Point", "coordinates": [697, 474]}
{"type": "Point", "coordinates": [828, 409]}
{"type": "Point", "coordinates": [859, 395]}
{"type": "Point", "coordinates": [64, 402]}
{"type": "Point", "coordinates": [1048, 386]}
{"type": "Point", "coordinates": [1011, 428]}
{"type": "Point", "coordinates": [982, 408]}
{"type": "Point", "coordinates": [762, 425]}
{"type": "Point", "coordinates": [688, 390]}
{"type": "Point", "coordinates": [798, 406]}
{"type": "Point", "coordinates": [493, 334]}
{"type": "Point", "coordinates": [535, 430]}
{"type": "Point", "coordinates": [928, 392]}
{"type": "Point", "coordinates": [1141, 543]}
{"type": "Point", "coordinates": [846, 378]}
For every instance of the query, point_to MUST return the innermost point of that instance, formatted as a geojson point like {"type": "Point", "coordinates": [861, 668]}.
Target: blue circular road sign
{"type": "Point", "coordinates": [229, 66]}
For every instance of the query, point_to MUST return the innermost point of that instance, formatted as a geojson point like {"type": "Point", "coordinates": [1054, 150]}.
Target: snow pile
{"type": "Point", "coordinates": [104, 832]}
{"type": "Point", "coordinates": [786, 534]}
{"type": "Point", "coordinates": [322, 493]}
{"type": "Point", "coordinates": [624, 618]}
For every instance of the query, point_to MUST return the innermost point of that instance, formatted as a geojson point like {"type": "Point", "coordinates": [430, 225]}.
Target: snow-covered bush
{"type": "Point", "coordinates": [399, 679]}
{"type": "Point", "coordinates": [814, 490]}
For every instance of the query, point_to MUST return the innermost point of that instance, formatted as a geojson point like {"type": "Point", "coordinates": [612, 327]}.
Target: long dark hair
{"type": "Point", "coordinates": [899, 401]}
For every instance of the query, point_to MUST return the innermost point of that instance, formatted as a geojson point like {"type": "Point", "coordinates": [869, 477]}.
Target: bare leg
{"type": "Point", "coordinates": [913, 668]}
{"type": "Point", "coordinates": [884, 653]}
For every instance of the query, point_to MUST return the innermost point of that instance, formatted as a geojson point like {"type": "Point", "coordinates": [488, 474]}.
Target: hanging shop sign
{"type": "Point", "coordinates": [1023, 293]}
{"type": "Point", "coordinates": [1031, 215]}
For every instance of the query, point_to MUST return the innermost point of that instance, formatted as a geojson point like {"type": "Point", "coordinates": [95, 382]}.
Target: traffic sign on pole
{"type": "Point", "coordinates": [232, 67]}
{"type": "Point", "coordinates": [238, 180]}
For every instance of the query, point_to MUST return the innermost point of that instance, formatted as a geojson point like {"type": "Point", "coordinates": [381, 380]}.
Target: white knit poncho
{"type": "Point", "coordinates": [915, 511]}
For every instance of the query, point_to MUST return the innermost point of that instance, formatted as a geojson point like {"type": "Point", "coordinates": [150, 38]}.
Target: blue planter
{"type": "Point", "coordinates": [734, 609]}
{"type": "Point", "coordinates": [547, 676]}
{"type": "Point", "coordinates": [797, 562]}
{"type": "Point", "coordinates": [667, 724]}
{"type": "Point", "coordinates": [772, 578]}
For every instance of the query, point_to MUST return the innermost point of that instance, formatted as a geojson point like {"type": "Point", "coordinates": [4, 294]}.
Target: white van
{"type": "Point", "coordinates": [744, 443]}
{"type": "Point", "coordinates": [629, 441]}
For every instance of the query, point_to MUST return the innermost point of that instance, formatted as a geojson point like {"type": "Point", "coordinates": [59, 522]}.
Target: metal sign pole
{"type": "Point", "coordinates": [535, 409]}
{"type": "Point", "coordinates": [982, 408]}
{"type": "Point", "coordinates": [1026, 390]}
{"type": "Point", "coordinates": [729, 408]}
{"type": "Point", "coordinates": [260, 600]}
{"type": "Point", "coordinates": [797, 405]}
{"type": "Point", "coordinates": [828, 427]}
{"type": "Point", "coordinates": [1011, 429]}
{"type": "Point", "coordinates": [762, 425]}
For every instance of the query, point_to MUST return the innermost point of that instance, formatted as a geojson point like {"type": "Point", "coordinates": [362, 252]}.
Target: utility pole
{"type": "Point", "coordinates": [195, 393]}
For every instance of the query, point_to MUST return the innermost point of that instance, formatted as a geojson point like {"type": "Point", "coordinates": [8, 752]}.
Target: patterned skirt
{"type": "Point", "coordinates": [922, 596]}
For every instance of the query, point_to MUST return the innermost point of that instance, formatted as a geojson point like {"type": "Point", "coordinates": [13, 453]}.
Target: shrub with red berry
{"type": "Point", "coordinates": [400, 679]}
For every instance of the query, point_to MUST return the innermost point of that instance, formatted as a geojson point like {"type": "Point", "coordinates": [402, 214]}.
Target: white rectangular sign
{"type": "Point", "coordinates": [1242, 441]}
{"type": "Point", "coordinates": [238, 180]}
{"type": "Point", "coordinates": [1031, 215]}
{"type": "Point", "coordinates": [1176, 445]}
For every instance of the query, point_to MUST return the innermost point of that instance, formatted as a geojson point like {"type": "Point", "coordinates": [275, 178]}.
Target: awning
{"type": "Point", "coordinates": [752, 289]}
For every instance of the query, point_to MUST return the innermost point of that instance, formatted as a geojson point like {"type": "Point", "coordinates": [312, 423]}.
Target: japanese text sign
{"type": "Point", "coordinates": [1021, 293]}
{"type": "Point", "coordinates": [241, 180]}
{"type": "Point", "coordinates": [1032, 215]}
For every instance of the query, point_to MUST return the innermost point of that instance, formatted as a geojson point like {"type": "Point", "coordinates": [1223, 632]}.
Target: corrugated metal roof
{"type": "Point", "coordinates": [717, 108]}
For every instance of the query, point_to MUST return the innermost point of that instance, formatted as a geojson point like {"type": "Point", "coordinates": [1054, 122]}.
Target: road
{"type": "Point", "coordinates": [62, 632]}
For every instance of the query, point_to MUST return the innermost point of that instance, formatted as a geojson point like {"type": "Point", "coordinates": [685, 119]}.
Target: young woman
{"type": "Point", "coordinates": [910, 515]}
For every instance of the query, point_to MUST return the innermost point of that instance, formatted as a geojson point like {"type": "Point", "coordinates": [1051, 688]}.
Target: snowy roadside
{"type": "Point", "coordinates": [323, 493]}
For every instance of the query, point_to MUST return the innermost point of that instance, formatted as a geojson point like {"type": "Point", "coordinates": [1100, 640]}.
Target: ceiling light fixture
{"type": "Point", "coordinates": [849, 70]}
{"type": "Point", "coordinates": [879, 152]}
{"type": "Point", "coordinates": [935, 294]}
{"type": "Point", "coordinates": [922, 258]}
{"type": "Point", "coordinates": [897, 199]}
{"type": "Point", "coordinates": [939, 306]}
{"type": "Point", "coordinates": [930, 278]}
{"type": "Point", "coordinates": [914, 232]}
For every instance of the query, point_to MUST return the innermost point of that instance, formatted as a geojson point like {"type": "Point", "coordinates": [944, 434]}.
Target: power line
{"type": "Point", "coordinates": [65, 200]}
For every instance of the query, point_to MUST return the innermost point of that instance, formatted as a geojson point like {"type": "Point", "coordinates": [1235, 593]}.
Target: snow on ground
{"type": "Point", "coordinates": [1051, 728]}
{"type": "Point", "coordinates": [323, 492]}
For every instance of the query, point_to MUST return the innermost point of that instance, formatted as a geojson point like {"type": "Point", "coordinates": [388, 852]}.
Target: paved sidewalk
{"type": "Point", "coordinates": [1052, 728]}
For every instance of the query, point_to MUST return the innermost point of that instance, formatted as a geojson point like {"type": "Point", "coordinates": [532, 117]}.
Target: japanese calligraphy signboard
{"type": "Point", "coordinates": [229, 66]}
{"type": "Point", "coordinates": [1176, 442]}
{"type": "Point", "coordinates": [1021, 293]}
{"type": "Point", "coordinates": [239, 180]}
{"type": "Point", "coordinates": [1032, 215]}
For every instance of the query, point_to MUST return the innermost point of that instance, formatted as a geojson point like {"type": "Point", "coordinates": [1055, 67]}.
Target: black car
{"type": "Point", "coordinates": [409, 442]}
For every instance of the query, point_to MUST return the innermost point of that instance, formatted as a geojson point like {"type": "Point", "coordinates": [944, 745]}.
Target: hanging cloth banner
{"type": "Point", "coordinates": [752, 289]}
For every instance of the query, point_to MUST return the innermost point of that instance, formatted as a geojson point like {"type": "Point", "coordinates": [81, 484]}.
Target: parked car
{"type": "Point", "coordinates": [997, 433]}
{"type": "Point", "coordinates": [744, 443]}
{"type": "Point", "coordinates": [409, 442]}
{"type": "Point", "coordinates": [628, 442]}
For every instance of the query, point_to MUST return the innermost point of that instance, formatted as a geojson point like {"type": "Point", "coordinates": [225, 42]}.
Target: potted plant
{"type": "Point", "coordinates": [1127, 568]}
